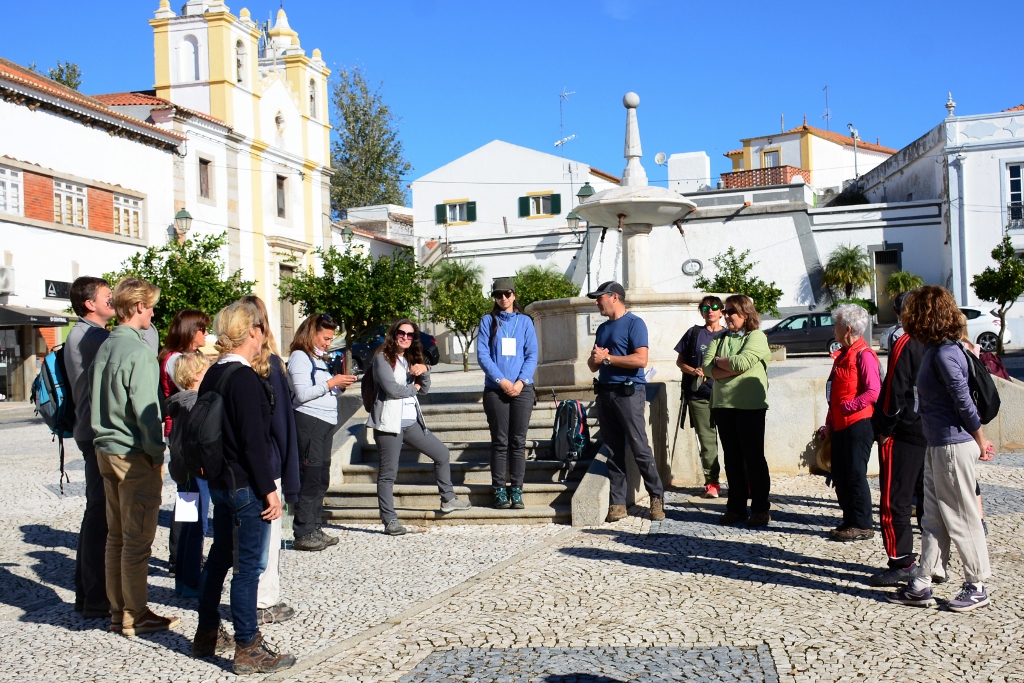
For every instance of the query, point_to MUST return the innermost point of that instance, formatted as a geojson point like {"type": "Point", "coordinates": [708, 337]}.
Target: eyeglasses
{"type": "Point", "coordinates": [402, 334]}
{"type": "Point", "coordinates": [503, 295]}
{"type": "Point", "coordinates": [712, 307]}
{"type": "Point", "coordinates": [731, 311]}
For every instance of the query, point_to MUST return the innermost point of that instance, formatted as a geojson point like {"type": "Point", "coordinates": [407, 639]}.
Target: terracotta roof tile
{"type": "Point", "coordinates": [1019, 107]}
{"type": "Point", "coordinates": [733, 152]}
{"type": "Point", "coordinates": [605, 176]}
{"type": "Point", "coordinates": [129, 99]}
{"type": "Point", "coordinates": [841, 139]}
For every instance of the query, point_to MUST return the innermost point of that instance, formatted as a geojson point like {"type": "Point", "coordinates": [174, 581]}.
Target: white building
{"type": "Point", "coordinates": [82, 188]}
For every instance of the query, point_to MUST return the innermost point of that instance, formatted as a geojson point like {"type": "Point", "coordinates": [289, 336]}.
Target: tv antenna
{"type": "Point", "coordinates": [828, 112]}
{"type": "Point", "coordinates": [564, 97]}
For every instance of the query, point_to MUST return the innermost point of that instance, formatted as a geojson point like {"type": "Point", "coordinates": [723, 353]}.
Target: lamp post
{"type": "Point", "coordinates": [584, 194]}
{"type": "Point", "coordinates": [347, 234]}
{"type": "Point", "coordinates": [182, 224]}
{"type": "Point", "coordinates": [856, 136]}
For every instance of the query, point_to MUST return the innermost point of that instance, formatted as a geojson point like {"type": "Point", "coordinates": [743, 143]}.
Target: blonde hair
{"type": "Point", "coordinates": [130, 292]}
{"type": "Point", "coordinates": [188, 367]}
{"type": "Point", "coordinates": [261, 364]}
{"type": "Point", "coordinates": [232, 325]}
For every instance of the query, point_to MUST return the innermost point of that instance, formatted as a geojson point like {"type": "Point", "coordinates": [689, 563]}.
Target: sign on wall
{"type": "Point", "coordinates": [57, 289]}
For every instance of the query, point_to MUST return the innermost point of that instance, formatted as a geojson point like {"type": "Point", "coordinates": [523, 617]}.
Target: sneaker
{"type": "Point", "coordinates": [759, 519]}
{"type": "Point", "coordinates": [327, 539]}
{"type": "Point", "coordinates": [501, 501]}
{"type": "Point", "coordinates": [852, 533]}
{"type": "Point", "coordinates": [712, 490]}
{"type": "Point", "coordinates": [454, 504]}
{"type": "Point", "coordinates": [615, 513]}
{"type": "Point", "coordinates": [657, 509]}
{"type": "Point", "coordinates": [258, 658]}
{"type": "Point", "coordinates": [207, 643]}
{"type": "Point", "coordinates": [310, 542]}
{"type": "Point", "coordinates": [732, 518]}
{"type": "Point", "coordinates": [908, 596]}
{"type": "Point", "coordinates": [116, 622]}
{"type": "Point", "coordinates": [149, 623]}
{"type": "Point", "coordinates": [276, 614]}
{"type": "Point", "coordinates": [184, 590]}
{"type": "Point", "coordinates": [940, 579]}
{"type": "Point", "coordinates": [969, 597]}
{"type": "Point", "coordinates": [516, 496]}
{"type": "Point", "coordinates": [895, 576]}
{"type": "Point", "coordinates": [984, 526]}
{"type": "Point", "coordinates": [394, 528]}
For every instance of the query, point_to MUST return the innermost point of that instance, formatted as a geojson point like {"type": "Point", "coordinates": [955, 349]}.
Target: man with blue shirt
{"type": "Point", "coordinates": [619, 358]}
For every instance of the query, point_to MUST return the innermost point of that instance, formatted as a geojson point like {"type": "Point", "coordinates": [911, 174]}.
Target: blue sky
{"type": "Point", "coordinates": [461, 74]}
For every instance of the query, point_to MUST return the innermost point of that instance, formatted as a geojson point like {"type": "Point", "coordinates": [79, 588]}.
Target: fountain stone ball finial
{"type": "Point", "coordinates": [631, 100]}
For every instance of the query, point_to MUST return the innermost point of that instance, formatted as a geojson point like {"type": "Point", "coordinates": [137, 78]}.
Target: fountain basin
{"type": "Point", "coordinates": [643, 205]}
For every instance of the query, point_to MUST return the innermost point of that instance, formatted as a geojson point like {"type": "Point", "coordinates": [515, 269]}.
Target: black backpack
{"type": "Point", "coordinates": [981, 387]}
{"type": "Point", "coordinates": [571, 434]}
{"type": "Point", "coordinates": [367, 388]}
{"type": "Point", "coordinates": [202, 441]}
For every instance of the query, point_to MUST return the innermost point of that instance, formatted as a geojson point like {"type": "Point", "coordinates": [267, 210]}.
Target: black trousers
{"type": "Point", "coordinates": [90, 559]}
{"type": "Point", "coordinates": [901, 467]}
{"type": "Point", "coordinates": [851, 449]}
{"type": "Point", "coordinates": [741, 432]}
{"type": "Point", "coordinates": [622, 420]}
{"type": "Point", "coordinates": [509, 419]}
{"type": "Point", "coordinates": [315, 441]}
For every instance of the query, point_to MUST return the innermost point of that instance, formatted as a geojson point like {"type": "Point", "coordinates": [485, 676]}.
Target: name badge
{"type": "Point", "coordinates": [186, 507]}
{"type": "Point", "coordinates": [508, 346]}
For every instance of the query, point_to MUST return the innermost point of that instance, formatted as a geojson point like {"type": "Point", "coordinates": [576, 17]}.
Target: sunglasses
{"type": "Point", "coordinates": [712, 307]}
{"type": "Point", "coordinates": [402, 334]}
{"type": "Point", "coordinates": [503, 295]}
{"type": "Point", "coordinates": [731, 311]}
{"type": "Point", "coordinates": [324, 318]}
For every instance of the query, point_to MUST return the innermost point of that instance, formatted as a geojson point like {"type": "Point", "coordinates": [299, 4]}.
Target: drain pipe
{"type": "Point", "coordinates": [961, 233]}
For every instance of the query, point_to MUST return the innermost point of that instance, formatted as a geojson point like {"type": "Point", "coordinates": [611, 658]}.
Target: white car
{"type": "Point", "coordinates": [982, 328]}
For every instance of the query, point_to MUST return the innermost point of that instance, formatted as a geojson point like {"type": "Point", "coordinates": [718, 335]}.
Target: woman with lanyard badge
{"type": "Point", "coordinates": [507, 352]}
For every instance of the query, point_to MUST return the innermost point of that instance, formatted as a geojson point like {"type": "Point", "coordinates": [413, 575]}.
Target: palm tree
{"type": "Point", "coordinates": [849, 269]}
{"type": "Point", "coordinates": [903, 281]}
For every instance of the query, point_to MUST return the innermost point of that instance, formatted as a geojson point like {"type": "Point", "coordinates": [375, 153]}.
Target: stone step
{"type": "Point", "coordinates": [537, 472]}
{"type": "Point", "coordinates": [545, 409]}
{"type": "Point", "coordinates": [461, 451]}
{"type": "Point", "coordinates": [426, 497]}
{"type": "Point", "coordinates": [540, 514]}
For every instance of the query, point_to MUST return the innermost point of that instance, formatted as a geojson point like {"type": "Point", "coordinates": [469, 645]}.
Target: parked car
{"type": "Point", "coordinates": [804, 332]}
{"type": "Point", "coordinates": [982, 328]}
{"type": "Point", "coordinates": [366, 346]}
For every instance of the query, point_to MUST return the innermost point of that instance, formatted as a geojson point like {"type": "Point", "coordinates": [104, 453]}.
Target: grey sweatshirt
{"type": "Point", "coordinates": [310, 394]}
{"type": "Point", "coordinates": [948, 414]}
{"type": "Point", "coordinates": [79, 351]}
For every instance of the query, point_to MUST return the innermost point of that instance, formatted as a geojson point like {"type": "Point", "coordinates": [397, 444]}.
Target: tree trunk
{"type": "Point", "coordinates": [1002, 330]}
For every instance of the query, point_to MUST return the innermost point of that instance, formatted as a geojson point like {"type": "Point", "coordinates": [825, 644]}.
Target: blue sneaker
{"type": "Point", "coordinates": [969, 597]}
{"type": "Point", "coordinates": [909, 596]}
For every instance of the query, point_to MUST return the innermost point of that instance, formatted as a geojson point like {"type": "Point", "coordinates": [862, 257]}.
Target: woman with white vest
{"type": "Point", "coordinates": [399, 374]}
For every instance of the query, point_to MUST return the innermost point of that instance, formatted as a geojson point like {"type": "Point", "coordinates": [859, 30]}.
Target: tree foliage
{"type": "Point", "coordinates": [903, 281]}
{"type": "Point", "coordinates": [848, 269]}
{"type": "Point", "coordinates": [357, 290]}
{"type": "Point", "coordinates": [367, 157]}
{"type": "Point", "coordinates": [66, 73]}
{"type": "Point", "coordinates": [456, 300]}
{"type": "Point", "coordinates": [734, 276]}
{"type": "Point", "coordinates": [1002, 284]}
{"type": "Point", "coordinates": [534, 283]}
{"type": "Point", "coordinates": [189, 275]}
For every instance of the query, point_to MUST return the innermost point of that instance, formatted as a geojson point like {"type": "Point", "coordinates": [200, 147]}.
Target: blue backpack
{"type": "Point", "coordinates": [55, 404]}
{"type": "Point", "coordinates": [571, 434]}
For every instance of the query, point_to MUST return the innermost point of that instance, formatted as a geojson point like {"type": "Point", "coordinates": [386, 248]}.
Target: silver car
{"type": "Point", "coordinates": [982, 328]}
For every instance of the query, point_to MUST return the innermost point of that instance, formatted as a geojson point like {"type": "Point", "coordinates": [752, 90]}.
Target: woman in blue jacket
{"type": "Point", "coordinates": [507, 352]}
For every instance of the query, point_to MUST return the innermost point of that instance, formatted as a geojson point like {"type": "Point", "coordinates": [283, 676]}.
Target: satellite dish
{"type": "Point", "coordinates": [660, 158]}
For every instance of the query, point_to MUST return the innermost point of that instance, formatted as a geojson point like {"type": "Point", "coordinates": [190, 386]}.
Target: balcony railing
{"type": "Point", "coordinates": [761, 177]}
{"type": "Point", "coordinates": [1015, 216]}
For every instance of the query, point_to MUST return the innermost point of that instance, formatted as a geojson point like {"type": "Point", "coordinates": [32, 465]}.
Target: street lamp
{"type": "Point", "coordinates": [573, 221]}
{"type": "Point", "coordinates": [182, 222]}
{"type": "Point", "coordinates": [856, 136]}
{"type": "Point", "coordinates": [585, 193]}
{"type": "Point", "coordinates": [347, 234]}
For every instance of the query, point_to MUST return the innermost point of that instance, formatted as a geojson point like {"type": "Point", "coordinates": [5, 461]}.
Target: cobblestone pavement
{"type": "Point", "coordinates": [683, 599]}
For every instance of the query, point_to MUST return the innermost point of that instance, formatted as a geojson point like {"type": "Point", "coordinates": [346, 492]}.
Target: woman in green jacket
{"type": "Point", "coordinates": [738, 361]}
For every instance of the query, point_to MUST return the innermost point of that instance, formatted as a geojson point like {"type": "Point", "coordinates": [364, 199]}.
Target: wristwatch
{"type": "Point", "coordinates": [606, 361]}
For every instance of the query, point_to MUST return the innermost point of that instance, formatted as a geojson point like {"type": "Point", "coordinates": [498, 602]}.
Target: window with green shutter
{"type": "Point", "coordinates": [440, 214]}
{"type": "Point", "coordinates": [538, 205]}
{"type": "Point", "coordinates": [556, 204]}
{"type": "Point", "coordinates": [471, 211]}
{"type": "Point", "coordinates": [455, 212]}
{"type": "Point", "coordinates": [524, 207]}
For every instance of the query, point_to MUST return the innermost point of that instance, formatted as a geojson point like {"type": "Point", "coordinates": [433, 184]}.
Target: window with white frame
{"type": "Point", "coordinates": [127, 216]}
{"type": "Point", "coordinates": [10, 191]}
{"type": "Point", "coordinates": [771, 159]}
{"type": "Point", "coordinates": [457, 213]}
{"type": "Point", "coordinates": [69, 204]}
{"type": "Point", "coordinates": [1015, 207]}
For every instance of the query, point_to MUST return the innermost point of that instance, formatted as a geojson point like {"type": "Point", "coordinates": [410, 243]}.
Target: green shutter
{"type": "Point", "coordinates": [556, 204]}
{"type": "Point", "coordinates": [440, 214]}
{"type": "Point", "coordinates": [470, 211]}
{"type": "Point", "coordinates": [524, 207]}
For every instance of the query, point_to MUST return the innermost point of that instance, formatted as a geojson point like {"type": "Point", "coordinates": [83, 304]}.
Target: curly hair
{"type": "Point", "coordinates": [745, 305]}
{"type": "Point", "coordinates": [930, 315]}
{"type": "Point", "coordinates": [414, 354]}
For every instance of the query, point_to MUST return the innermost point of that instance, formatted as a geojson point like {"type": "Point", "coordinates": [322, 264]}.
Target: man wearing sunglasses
{"type": "Point", "coordinates": [697, 388]}
{"type": "Point", "coordinates": [619, 357]}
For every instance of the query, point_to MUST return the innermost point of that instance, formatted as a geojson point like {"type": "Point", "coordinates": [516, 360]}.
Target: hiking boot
{"type": "Point", "coordinates": [852, 533]}
{"type": "Point", "coordinates": [182, 589]}
{"type": "Point", "coordinates": [908, 596]}
{"type": "Point", "coordinates": [732, 518]}
{"type": "Point", "coordinates": [615, 513]}
{"type": "Point", "coordinates": [712, 490]}
{"type": "Point", "coordinates": [258, 658]}
{"type": "Point", "coordinates": [394, 528]}
{"type": "Point", "coordinates": [516, 496]}
{"type": "Point", "coordinates": [940, 579]}
{"type": "Point", "coordinates": [895, 576]}
{"type": "Point", "coordinates": [454, 504]}
{"type": "Point", "coordinates": [759, 519]}
{"type": "Point", "coordinates": [969, 597]}
{"type": "Point", "coordinates": [327, 539]}
{"type": "Point", "coordinates": [657, 509]}
{"type": "Point", "coordinates": [148, 623]}
{"type": "Point", "coordinates": [310, 541]}
{"type": "Point", "coordinates": [209, 642]}
{"type": "Point", "coordinates": [275, 614]}
{"type": "Point", "coordinates": [501, 501]}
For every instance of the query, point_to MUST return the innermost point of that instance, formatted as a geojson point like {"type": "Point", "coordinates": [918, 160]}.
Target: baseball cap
{"type": "Point", "coordinates": [503, 284]}
{"type": "Point", "coordinates": [610, 287]}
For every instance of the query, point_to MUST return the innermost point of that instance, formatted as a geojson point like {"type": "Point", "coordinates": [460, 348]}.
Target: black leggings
{"type": "Point", "coordinates": [741, 432]}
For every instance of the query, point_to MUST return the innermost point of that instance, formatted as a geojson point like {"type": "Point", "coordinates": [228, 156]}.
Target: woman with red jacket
{"type": "Point", "coordinates": [852, 390]}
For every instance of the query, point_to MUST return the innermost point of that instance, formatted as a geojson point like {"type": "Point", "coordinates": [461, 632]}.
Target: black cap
{"type": "Point", "coordinates": [503, 284]}
{"type": "Point", "coordinates": [610, 287]}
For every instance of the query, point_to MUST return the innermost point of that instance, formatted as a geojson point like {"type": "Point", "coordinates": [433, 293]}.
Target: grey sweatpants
{"type": "Point", "coordinates": [622, 421]}
{"type": "Point", "coordinates": [390, 447]}
{"type": "Point", "coordinates": [951, 512]}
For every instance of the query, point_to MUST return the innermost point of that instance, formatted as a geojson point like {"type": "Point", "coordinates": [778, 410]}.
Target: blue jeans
{"type": "Point", "coordinates": [189, 559]}
{"type": "Point", "coordinates": [241, 541]}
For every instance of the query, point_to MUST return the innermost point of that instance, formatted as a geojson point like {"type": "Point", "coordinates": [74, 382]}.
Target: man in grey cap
{"type": "Point", "coordinates": [619, 358]}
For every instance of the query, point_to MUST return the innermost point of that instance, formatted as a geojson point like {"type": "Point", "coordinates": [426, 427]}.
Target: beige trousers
{"type": "Point", "coordinates": [269, 592]}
